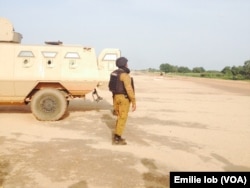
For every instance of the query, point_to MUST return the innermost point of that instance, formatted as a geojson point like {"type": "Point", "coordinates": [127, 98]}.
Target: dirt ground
{"type": "Point", "coordinates": [181, 124]}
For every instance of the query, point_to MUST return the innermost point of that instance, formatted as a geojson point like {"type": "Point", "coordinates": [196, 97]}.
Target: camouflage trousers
{"type": "Point", "coordinates": [121, 109]}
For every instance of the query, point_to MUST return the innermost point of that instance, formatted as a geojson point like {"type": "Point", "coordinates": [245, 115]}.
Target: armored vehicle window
{"type": "Point", "coordinates": [73, 55]}
{"type": "Point", "coordinates": [25, 54]}
{"type": "Point", "coordinates": [49, 54]}
{"type": "Point", "coordinates": [110, 57]}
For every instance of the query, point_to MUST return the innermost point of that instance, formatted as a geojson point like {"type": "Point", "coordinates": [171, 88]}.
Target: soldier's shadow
{"type": "Point", "coordinates": [88, 105]}
{"type": "Point", "coordinates": [110, 122]}
{"type": "Point", "coordinates": [84, 105]}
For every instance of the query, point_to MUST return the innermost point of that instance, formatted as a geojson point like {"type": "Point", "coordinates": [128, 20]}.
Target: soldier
{"type": "Point", "coordinates": [122, 87]}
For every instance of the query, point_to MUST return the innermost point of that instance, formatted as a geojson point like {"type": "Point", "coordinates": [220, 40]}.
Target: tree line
{"type": "Point", "coordinates": [234, 72]}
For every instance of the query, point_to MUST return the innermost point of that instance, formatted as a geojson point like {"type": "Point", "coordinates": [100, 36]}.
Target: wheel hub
{"type": "Point", "coordinates": [48, 105]}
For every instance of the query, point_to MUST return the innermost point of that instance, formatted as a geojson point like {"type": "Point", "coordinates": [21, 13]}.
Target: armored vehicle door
{"type": "Point", "coordinates": [52, 64]}
{"type": "Point", "coordinates": [106, 62]}
{"type": "Point", "coordinates": [26, 70]}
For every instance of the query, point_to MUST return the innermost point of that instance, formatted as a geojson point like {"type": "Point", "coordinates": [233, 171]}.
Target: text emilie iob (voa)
{"type": "Point", "coordinates": [209, 179]}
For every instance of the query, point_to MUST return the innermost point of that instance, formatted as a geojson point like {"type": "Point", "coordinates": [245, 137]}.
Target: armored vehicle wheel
{"type": "Point", "coordinates": [48, 105]}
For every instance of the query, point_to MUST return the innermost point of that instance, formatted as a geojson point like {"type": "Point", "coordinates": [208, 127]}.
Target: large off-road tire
{"type": "Point", "coordinates": [48, 104]}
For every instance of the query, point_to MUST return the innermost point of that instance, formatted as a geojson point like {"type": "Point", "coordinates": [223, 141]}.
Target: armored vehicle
{"type": "Point", "coordinates": [48, 76]}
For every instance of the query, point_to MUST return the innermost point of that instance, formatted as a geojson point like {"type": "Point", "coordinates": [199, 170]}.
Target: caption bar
{"type": "Point", "coordinates": [209, 179]}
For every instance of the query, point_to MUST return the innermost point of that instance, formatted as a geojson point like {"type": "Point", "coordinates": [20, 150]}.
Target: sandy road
{"type": "Point", "coordinates": [181, 124]}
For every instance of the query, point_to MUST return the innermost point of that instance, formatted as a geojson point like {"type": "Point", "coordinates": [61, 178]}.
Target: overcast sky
{"type": "Point", "coordinates": [194, 33]}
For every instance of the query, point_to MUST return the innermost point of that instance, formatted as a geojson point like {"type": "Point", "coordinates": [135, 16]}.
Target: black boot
{"type": "Point", "coordinates": [118, 140]}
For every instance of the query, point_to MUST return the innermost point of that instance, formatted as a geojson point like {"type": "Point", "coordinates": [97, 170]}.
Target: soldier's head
{"type": "Point", "coordinates": [121, 62]}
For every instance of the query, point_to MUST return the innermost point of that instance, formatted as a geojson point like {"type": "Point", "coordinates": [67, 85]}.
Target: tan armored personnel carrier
{"type": "Point", "coordinates": [48, 76]}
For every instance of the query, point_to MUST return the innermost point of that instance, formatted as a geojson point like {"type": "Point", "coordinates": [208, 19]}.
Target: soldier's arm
{"type": "Point", "coordinates": [127, 84]}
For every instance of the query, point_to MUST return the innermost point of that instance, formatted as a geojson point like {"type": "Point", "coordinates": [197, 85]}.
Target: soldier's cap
{"type": "Point", "coordinates": [121, 62]}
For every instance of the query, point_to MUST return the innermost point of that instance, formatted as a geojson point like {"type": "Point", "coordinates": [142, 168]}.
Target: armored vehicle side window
{"type": "Point", "coordinates": [49, 58]}
{"type": "Point", "coordinates": [49, 54]}
{"type": "Point", "coordinates": [72, 62]}
{"type": "Point", "coordinates": [25, 54]}
{"type": "Point", "coordinates": [72, 55]}
{"type": "Point", "coordinates": [110, 57]}
{"type": "Point", "coordinates": [108, 61]}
